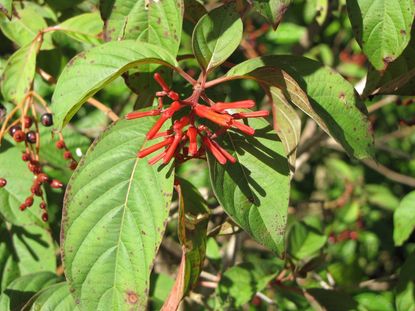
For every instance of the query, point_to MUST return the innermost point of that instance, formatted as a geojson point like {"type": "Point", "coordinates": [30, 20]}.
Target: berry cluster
{"type": "Point", "coordinates": [25, 129]}
{"type": "Point", "coordinates": [181, 140]}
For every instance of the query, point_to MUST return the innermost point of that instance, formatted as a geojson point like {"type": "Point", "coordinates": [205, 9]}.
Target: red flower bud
{"type": "Point", "coordinates": [215, 151]}
{"type": "Point", "coordinates": [159, 79]}
{"type": "Point", "coordinates": [192, 134]}
{"type": "Point", "coordinates": [157, 158]}
{"type": "Point", "coordinates": [140, 114]}
{"type": "Point", "coordinates": [243, 128]}
{"type": "Point", "coordinates": [207, 113]}
{"type": "Point", "coordinates": [144, 152]}
{"type": "Point", "coordinates": [219, 106]}
{"type": "Point", "coordinates": [227, 155]}
{"type": "Point", "coordinates": [172, 148]}
{"type": "Point", "coordinates": [253, 114]}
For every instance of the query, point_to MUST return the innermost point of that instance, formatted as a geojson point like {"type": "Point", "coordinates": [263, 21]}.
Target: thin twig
{"type": "Point", "coordinates": [97, 104]}
{"type": "Point", "coordinates": [381, 103]}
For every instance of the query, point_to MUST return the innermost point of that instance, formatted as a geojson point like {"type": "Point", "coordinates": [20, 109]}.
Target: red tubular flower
{"type": "Point", "coordinates": [253, 114]}
{"type": "Point", "coordinates": [145, 152]}
{"type": "Point", "coordinates": [243, 128]}
{"type": "Point", "coordinates": [192, 134]}
{"type": "Point", "coordinates": [178, 130]}
{"type": "Point", "coordinates": [157, 158]}
{"type": "Point", "coordinates": [207, 113]}
{"type": "Point", "coordinates": [167, 114]}
{"type": "Point", "coordinates": [140, 114]}
{"type": "Point", "coordinates": [214, 150]}
{"type": "Point", "coordinates": [227, 155]}
{"type": "Point", "coordinates": [220, 106]}
{"type": "Point", "coordinates": [159, 79]}
{"type": "Point", "coordinates": [163, 134]}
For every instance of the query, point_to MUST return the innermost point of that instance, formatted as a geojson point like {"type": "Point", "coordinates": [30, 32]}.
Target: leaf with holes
{"type": "Point", "coordinates": [90, 71]}
{"type": "Point", "coordinates": [19, 72]}
{"type": "Point", "coordinates": [382, 28]}
{"type": "Point", "coordinates": [156, 22]}
{"type": "Point", "coordinates": [320, 92]}
{"type": "Point", "coordinates": [115, 213]}
{"type": "Point", "coordinates": [272, 10]}
{"type": "Point", "coordinates": [216, 36]}
{"type": "Point", "coordinates": [254, 191]}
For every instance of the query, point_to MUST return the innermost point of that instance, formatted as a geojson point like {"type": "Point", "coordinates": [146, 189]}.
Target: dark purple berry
{"type": "Point", "coordinates": [19, 136]}
{"type": "Point", "coordinates": [3, 182]}
{"type": "Point", "coordinates": [46, 119]}
{"type": "Point", "coordinates": [31, 137]}
{"type": "Point", "coordinates": [28, 121]}
{"type": "Point", "coordinates": [14, 129]}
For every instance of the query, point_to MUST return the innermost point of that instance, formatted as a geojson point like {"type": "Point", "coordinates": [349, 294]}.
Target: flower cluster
{"type": "Point", "coordinates": [25, 130]}
{"type": "Point", "coordinates": [181, 140]}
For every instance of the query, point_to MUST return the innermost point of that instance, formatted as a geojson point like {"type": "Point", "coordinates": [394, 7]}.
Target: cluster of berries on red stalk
{"type": "Point", "coordinates": [181, 140]}
{"type": "Point", "coordinates": [21, 131]}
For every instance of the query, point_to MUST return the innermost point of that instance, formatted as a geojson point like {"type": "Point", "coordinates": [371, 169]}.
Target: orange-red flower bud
{"type": "Point", "coordinates": [243, 128]}
{"type": "Point", "coordinates": [253, 114]}
{"type": "Point", "coordinates": [192, 134]}
{"type": "Point", "coordinates": [140, 114]}
{"type": "Point", "coordinates": [144, 152]}
{"type": "Point", "coordinates": [207, 113]}
{"type": "Point", "coordinates": [159, 79]}
{"type": "Point", "coordinates": [220, 106]}
{"type": "Point", "coordinates": [215, 151]}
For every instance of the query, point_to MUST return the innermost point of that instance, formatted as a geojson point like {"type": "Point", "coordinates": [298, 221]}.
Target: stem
{"type": "Point", "coordinates": [185, 76]}
{"type": "Point", "coordinates": [97, 104]}
{"type": "Point", "coordinates": [218, 81]}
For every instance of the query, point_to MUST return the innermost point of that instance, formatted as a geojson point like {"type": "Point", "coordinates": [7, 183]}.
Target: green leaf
{"type": "Point", "coordinates": [272, 10]}
{"type": "Point", "coordinates": [330, 300]}
{"type": "Point", "coordinates": [19, 72]}
{"type": "Point", "coordinates": [404, 219]}
{"type": "Point", "coordinates": [19, 181]}
{"type": "Point", "coordinates": [9, 269]}
{"type": "Point", "coordinates": [85, 27]}
{"type": "Point", "coordinates": [193, 11]}
{"type": "Point", "coordinates": [156, 22]}
{"type": "Point", "coordinates": [192, 231]}
{"type": "Point", "coordinates": [288, 125]}
{"type": "Point", "coordinates": [304, 241]}
{"type": "Point", "coordinates": [115, 212]}
{"type": "Point", "coordinates": [405, 299]}
{"type": "Point", "coordinates": [382, 196]}
{"type": "Point", "coordinates": [34, 249]}
{"type": "Point", "coordinates": [90, 71]}
{"type": "Point", "coordinates": [382, 28]}
{"type": "Point", "coordinates": [23, 288]}
{"type": "Point", "coordinates": [240, 283]}
{"type": "Point", "coordinates": [161, 285]}
{"type": "Point", "coordinates": [397, 78]}
{"type": "Point", "coordinates": [330, 100]}
{"type": "Point", "coordinates": [216, 36]}
{"type": "Point", "coordinates": [23, 29]}
{"type": "Point", "coordinates": [6, 7]}
{"type": "Point", "coordinates": [55, 297]}
{"type": "Point", "coordinates": [254, 191]}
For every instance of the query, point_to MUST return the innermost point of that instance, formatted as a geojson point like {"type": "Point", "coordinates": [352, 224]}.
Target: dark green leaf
{"type": "Point", "coordinates": [254, 191]}
{"type": "Point", "coordinates": [331, 100]}
{"type": "Point", "coordinates": [405, 299]}
{"type": "Point", "coordinates": [404, 219]}
{"type": "Point", "coordinates": [331, 300]}
{"type": "Point", "coordinates": [115, 212]}
{"type": "Point", "coordinates": [90, 71]}
{"type": "Point", "coordinates": [272, 10]}
{"type": "Point", "coordinates": [382, 28]}
{"type": "Point", "coordinates": [216, 36]}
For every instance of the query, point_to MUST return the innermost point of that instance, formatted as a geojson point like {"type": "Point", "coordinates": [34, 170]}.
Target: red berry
{"type": "Point", "coordinates": [28, 121]}
{"type": "Point", "coordinates": [31, 137]}
{"type": "Point", "coordinates": [42, 178]}
{"type": "Point", "coordinates": [67, 155]}
{"type": "Point", "coordinates": [56, 184]}
{"type": "Point", "coordinates": [22, 207]}
{"type": "Point", "coordinates": [3, 182]}
{"type": "Point", "coordinates": [46, 119]}
{"type": "Point", "coordinates": [45, 217]}
{"type": "Point", "coordinates": [29, 201]}
{"type": "Point", "coordinates": [19, 136]}
{"type": "Point", "coordinates": [60, 144]}
{"type": "Point", "coordinates": [36, 190]}
{"type": "Point", "coordinates": [33, 166]}
{"type": "Point", "coordinates": [73, 165]}
{"type": "Point", "coordinates": [26, 157]}
{"type": "Point", "coordinates": [42, 205]}
{"type": "Point", "coordinates": [14, 129]}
